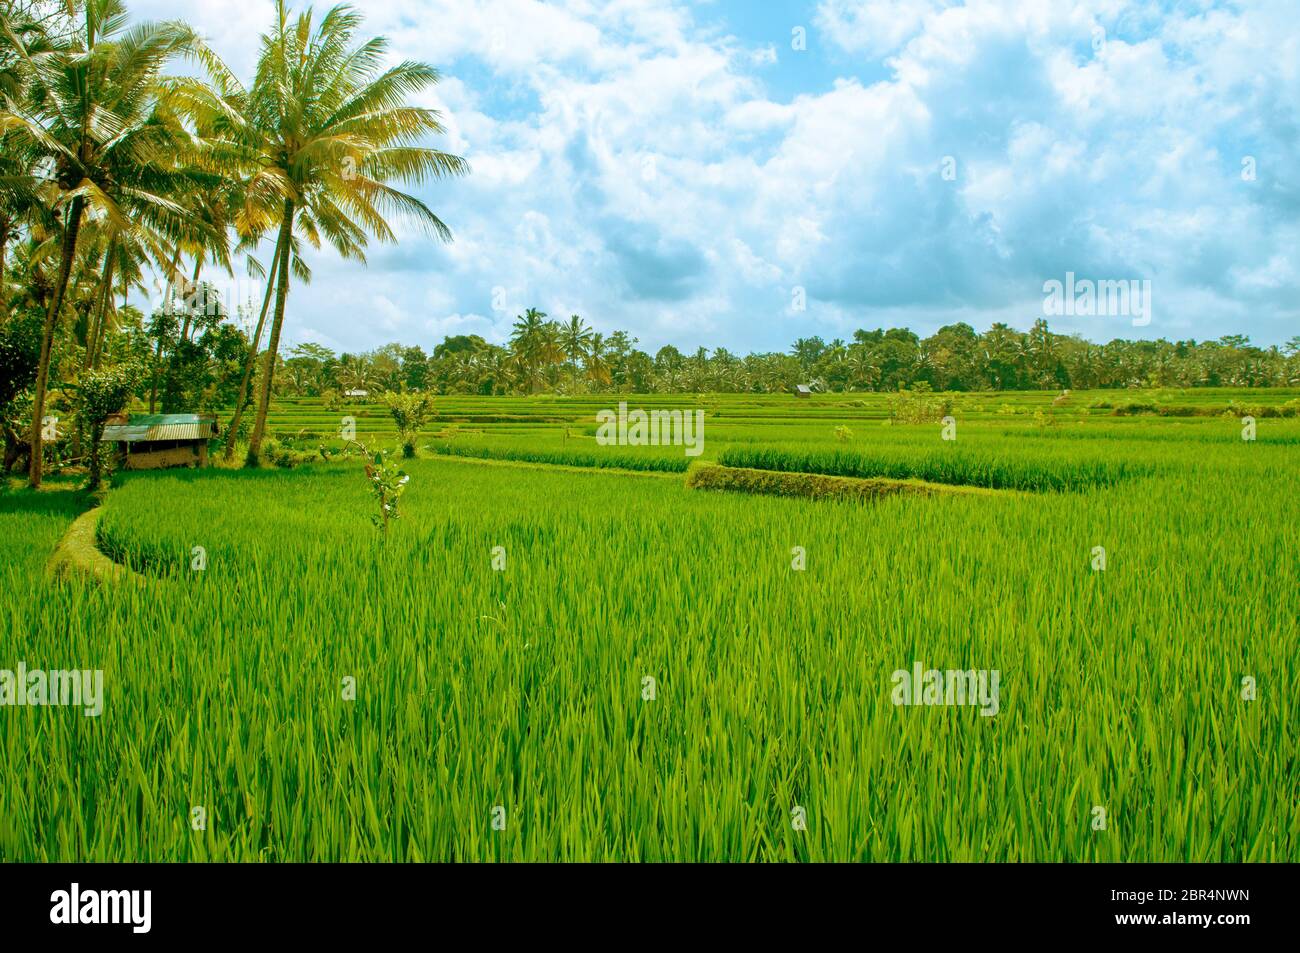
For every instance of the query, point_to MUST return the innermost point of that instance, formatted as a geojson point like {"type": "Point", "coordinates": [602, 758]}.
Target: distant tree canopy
{"type": "Point", "coordinates": [548, 357]}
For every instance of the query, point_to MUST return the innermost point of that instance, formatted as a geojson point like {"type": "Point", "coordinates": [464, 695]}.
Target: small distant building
{"type": "Point", "coordinates": [357, 394]}
{"type": "Point", "coordinates": [154, 441]}
{"type": "Point", "coordinates": [802, 390]}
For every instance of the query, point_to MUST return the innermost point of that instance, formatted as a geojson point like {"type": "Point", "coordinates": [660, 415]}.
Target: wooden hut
{"type": "Point", "coordinates": [154, 441]}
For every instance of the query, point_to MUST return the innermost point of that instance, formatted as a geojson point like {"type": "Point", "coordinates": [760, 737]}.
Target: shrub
{"type": "Point", "coordinates": [410, 411]}
{"type": "Point", "coordinates": [281, 455]}
{"type": "Point", "coordinates": [1043, 421]}
{"type": "Point", "coordinates": [814, 486]}
{"type": "Point", "coordinates": [387, 483]}
{"type": "Point", "coordinates": [919, 406]}
{"type": "Point", "coordinates": [1131, 408]}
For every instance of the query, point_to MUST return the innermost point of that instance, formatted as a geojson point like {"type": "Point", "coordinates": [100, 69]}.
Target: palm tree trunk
{"type": "Point", "coordinates": [268, 371]}
{"type": "Point", "coordinates": [93, 324]}
{"type": "Point", "coordinates": [107, 309]}
{"type": "Point", "coordinates": [95, 329]}
{"type": "Point", "coordinates": [166, 303]}
{"type": "Point", "coordinates": [252, 357]}
{"type": "Point", "coordinates": [70, 232]}
{"type": "Point", "coordinates": [107, 316]}
{"type": "Point", "coordinates": [153, 386]}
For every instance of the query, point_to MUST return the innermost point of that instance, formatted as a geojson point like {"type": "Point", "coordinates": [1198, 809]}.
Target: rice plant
{"type": "Point", "coordinates": [559, 665]}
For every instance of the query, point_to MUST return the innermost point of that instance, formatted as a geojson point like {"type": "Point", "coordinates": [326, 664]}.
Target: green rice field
{"type": "Point", "coordinates": [561, 652]}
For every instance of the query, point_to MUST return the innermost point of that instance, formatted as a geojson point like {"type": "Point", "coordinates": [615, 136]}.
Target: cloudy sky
{"type": "Point", "coordinates": [741, 174]}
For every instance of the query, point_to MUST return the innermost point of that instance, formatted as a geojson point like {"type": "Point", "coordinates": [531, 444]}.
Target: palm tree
{"type": "Point", "coordinates": [597, 361]}
{"type": "Point", "coordinates": [861, 369]}
{"type": "Point", "coordinates": [575, 338]}
{"type": "Point", "coordinates": [493, 372]}
{"type": "Point", "coordinates": [550, 351]}
{"type": "Point", "coordinates": [24, 202]}
{"type": "Point", "coordinates": [97, 106]}
{"type": "Point", "coordinates": [697, 369]}
{"type": "Point", "coordinates": [320, 132]}
{"type": "Point", "coordinates": [354, 373]}
{"type": "Point", "coordinates": [526, 343]}
{"type": "Point", "coordinates": [127, 248]}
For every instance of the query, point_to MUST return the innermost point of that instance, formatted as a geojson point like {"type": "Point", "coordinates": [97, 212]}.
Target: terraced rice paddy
{"type": "Point", "coordinates": [648, 675]}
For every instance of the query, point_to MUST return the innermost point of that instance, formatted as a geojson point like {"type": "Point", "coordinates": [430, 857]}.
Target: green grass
{"type": "Point", "coordinates": [597, 456]}
{"type": "Point", "coordinates": [951, 464]}
{"type": "Point", "coordinates": [524, 688]}
{"type": "Point", "coordinates": [31, 524]}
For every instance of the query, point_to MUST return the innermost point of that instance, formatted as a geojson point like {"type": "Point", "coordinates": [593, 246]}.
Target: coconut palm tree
{"type": "Point", "coordinates": [527, 343]}
{"type": "Point", "coordinates": [21, 195]}
{"type": "Point", "coordinates": [493, 372]}
{"type": "Point", "coordinates": [24, 202]}
{"type": "Point", "coordinates": [354, 373]}
{"type": "Point", "coordinates": [575, 338]}
{"type": "Point", "coordinates": [317, 137]}
{"type": "Point", "coordinates": [96, 106]}
{"type": "Point", "coordinates": [598, 361]}
{"type": "Point", "coordinates": [550, 352]}
{"type": "Point", "coordinates": [123, 253]}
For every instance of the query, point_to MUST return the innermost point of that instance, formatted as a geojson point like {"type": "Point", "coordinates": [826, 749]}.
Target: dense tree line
{"type": "Point", "coordinates": [545, 356]}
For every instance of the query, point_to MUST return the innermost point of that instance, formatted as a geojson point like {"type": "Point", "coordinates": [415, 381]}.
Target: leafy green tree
{"type": "Point", "coordinates": [99, 394]}
{"type": "Point", "coordinates": [415, 368]}
{"type": "Point", "coordinates": [410, 412]}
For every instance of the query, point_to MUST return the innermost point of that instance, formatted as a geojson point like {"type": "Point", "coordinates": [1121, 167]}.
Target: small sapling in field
{"type": "Point", "coordinates": [388, 483]}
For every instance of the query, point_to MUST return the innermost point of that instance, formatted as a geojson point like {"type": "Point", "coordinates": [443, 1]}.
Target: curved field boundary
{"type": "Point", "coordinates": [818, 486]}
{"type": "Point", "coordinates": [77, 554]}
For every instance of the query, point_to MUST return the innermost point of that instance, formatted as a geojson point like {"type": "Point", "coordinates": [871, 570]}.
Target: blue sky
{"type": "Point", "coordinates": [686, 172]}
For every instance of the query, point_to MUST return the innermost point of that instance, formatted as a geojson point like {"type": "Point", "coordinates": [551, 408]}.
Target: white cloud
{"type": "Point", "coordinates": [873, 27]}
{"type": "Point", "coordinates": [1121, 160]}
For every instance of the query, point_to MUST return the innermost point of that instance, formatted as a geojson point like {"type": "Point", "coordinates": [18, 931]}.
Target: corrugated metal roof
{"type": "Point", "coordinates": [149, 427]}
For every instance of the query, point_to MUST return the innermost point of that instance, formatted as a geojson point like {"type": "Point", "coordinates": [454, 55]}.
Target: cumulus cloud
{"type": "Point", "coordinates": [633, 165]}
{"type": "Point", "coordinates": [873, 27]}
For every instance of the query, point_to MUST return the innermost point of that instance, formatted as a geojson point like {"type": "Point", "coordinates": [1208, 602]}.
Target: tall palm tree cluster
{"type": "Point", "coordinates": [545, 356]}
{"type": "Point", "coordinates": [115, 167]}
